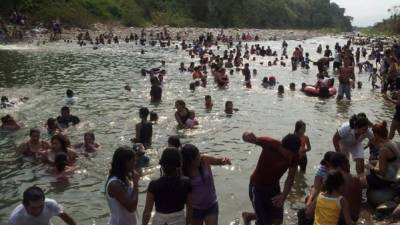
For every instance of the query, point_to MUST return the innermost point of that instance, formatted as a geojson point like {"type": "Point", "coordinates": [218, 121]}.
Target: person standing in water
{"type": "Point", "coordinates": [122, 188]}
{"type": "Point", "coordinates": [204, 198]}
{"type": "Point", "coordinates": [37, 209]}
{"type": "Point", "coordinates": [348, 139]}
{"type": "Point", "coordinates": [276, 158]}
{"type": "Point", "coordinates": [299, 131]}
{"type": "Point", "coordinates": [170, 193]}
{"type": "Point", "coordinates": [346, 78]}
{"type": "Point", "coordinates": [144, 129]}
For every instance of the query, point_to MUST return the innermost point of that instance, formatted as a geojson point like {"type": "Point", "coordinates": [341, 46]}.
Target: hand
{"type": "Point", "coordinates": [278, 200]}
{"type": "Point", "coordinates": [249, 137]}
{"type": "Point", "coordinates": [225, 161]}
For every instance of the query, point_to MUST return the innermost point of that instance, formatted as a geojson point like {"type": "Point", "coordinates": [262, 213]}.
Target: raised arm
{"type": "Point", "coordinates": [216, 161]}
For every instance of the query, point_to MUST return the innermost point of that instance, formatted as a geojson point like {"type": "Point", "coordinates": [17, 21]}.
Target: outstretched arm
{"type": "Point", "coordinates": [67, 218]}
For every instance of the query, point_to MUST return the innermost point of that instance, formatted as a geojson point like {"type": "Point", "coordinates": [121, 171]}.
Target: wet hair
{"type": "Point", "coordinates": [299, 124]}
{"type": "Point", "coordinates": [51, 122]}
{"type": "Point", "coordinates": [60, 161]}
{"type": "Point", "coordinates": [333, 181]}
{"type": "Point", "coordinates": [170, 160]}
{"type": "Point", "coordinates": [70, 93]}
{"type": "Point", "coordinates": [192, 86]}
{"type": "Point", "coordinates": [4, 99]}
{"type": "Point", "coordinates": [154, 81]}
{"type": "Point", "coordinates": [189, 153]}
{"type": "Point", "coordinates": [327, 158]}
{"type": "Point", "coordinates": [338, 160]}
{"type": "Point", "coordinates": [90, 134]}
{"type": "Point", "coordinates": [153, 116]}
{"type": "Point", "coordinates": [118, 164]}
{"type": "Point", "coordinates": [63, 139]}
{"type": "Point", "coordinates": [32, 194]}
{"type": "Point", "coordinates": [281, 89]}
{"type": "Point", "coordinates": [144, 112]}
{"type": "Point", "coordinates": [359, 121]}
{"type": "Point", "coordinates": [174, 141]}
{"type": "Point", "coordinates": [65, 109]}
{"type": "Point", "coordinates": [34, 130]}
{"type": "Point", "coordinates": [228, 102]}
{"type": "Point", "coordinates": [292, 86]}
{"type": "Point", "coordinates": [291, 142]}
{"type": "Point", "coordinates": [380, 129]}
{"type": "Point", "coordinates": [207, 97]}
{"type": "Point", "coordinates": [5, 118]}
{"type": "Point", "coordinates": [180, 102]}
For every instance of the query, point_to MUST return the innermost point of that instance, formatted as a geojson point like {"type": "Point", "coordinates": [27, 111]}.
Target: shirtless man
{"type": "Point", "coordinates": [346, 74]}
{"type": "Point", "coordinates": [35, 146]}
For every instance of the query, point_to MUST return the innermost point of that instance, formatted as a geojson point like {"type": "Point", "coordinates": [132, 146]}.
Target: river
{"type": "Point", "coordinates": [43, 73]}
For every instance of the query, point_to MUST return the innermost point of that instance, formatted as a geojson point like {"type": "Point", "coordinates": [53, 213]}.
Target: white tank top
{"type": "Point", "coordinates": [119, 214]}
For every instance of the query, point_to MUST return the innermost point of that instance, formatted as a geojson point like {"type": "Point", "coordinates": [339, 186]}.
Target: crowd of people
{"type": "Point", "coordinates": [185, 192]}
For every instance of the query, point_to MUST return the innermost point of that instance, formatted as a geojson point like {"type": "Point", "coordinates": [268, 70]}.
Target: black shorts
{"type": "Point", "coordinates": [261, 199]}
{"type": "Point", "coordinates": [375, 182]}
{"type": "Point", "coordinates": [337, 65]}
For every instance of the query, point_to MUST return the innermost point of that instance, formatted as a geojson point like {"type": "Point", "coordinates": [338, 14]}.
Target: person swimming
{"type": "Point", "coordinates": [8, 123]}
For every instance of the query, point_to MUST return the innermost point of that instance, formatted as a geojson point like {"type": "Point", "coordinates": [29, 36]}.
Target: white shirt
{"type": "Point", "coordinates": [70, 101]}
{"type": "Point", "coordinates": [348, 137]}
{"type": "Point", "coordinates": [21, 217]}
{"type": "Point", "coordinates": [119, 214]}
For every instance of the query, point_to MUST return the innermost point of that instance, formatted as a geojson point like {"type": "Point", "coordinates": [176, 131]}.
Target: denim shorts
{"type": "Point", "coordinates": [202, 214]}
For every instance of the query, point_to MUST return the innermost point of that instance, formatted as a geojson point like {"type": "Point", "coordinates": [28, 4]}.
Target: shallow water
{"type": "Point", "coordinates": [98, 76]}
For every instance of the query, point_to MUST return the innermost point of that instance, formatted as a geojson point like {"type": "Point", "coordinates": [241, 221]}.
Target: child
{"type": "Point", "coordinates": [281, 90]}
{"type": "Point", "coordinates": [292, 86]}
{"type": "Point", "coordinates": [192, 121]}
{"type": "Point", "coordinates": [208, 102]}
{"type": "Point", "coordinates": [153, 117]}
{"type": "Point", "coordinates": [70, 99]}
{"type": "Point", "coordinates": [330, 204]}
{"type": "Point", "coordinates": [359, 84]}
{"type": "Point", "coordinates": [89, 145]}
{"type": "Point", "coordinates": [229, 108]}
{"type": "Point", "coordinates": [60, 168]}
{"type": "Point", "coordinates": [300, 130]}
{"type": "Point", "coordinates": [373, 78]}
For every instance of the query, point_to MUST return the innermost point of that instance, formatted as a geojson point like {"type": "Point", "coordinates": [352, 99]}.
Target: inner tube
{"type": "Point", "coordinates": [323, 92]}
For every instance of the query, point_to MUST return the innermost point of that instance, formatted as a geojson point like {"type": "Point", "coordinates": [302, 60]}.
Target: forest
{"type": "Point", "coordinates": [301, 14]}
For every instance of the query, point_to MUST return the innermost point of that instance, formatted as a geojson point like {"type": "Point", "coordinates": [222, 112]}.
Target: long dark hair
{"type": "Point", "coordinates": [170, 161]}
{"type": "Point", "coordinates": [60, 161]}
{"type": "Point", "coordinates": [118, 165]}
{"type": "Point", "coordinates": [359, 121]}
{"type": "Point", "coordinates": [333, 181]}
{"type": "Point", "coordinates": [63, 139]}
{"type": "Point", "coordinates": [189, 154]}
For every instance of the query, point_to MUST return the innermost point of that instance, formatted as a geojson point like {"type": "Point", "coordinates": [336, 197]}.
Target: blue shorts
{"type": "Point", "coordinates": [202, 214]}
{"type": "Point", "coordinates": [261, 199]}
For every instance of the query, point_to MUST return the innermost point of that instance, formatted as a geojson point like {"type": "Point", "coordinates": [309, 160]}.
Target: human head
{"type": "Point", "coordinates": [339, 161]}
{"type": "Point", "coordinates": [171, 162]}
{"type": "Point", "coordinates": [359, 123]}
{"type": "Point", "coordinates": [89, 138]}
{"type": "Point", "coordinates": [292, 86]}
{"type": "Point", "coordinates": [300, 127]}
{"type": "Point", "coordinates": [174, 141]}
{"type": "Point", "coordinates": [4, 99]}
{"type": "Point", "coordinates": [65, 111]}
{"type": "Point", "coordinates": [34, 134]}
{"type": "Point", "coordinates": [123, 163]}
{"type": "Point", "coordinates": [144, 113]}
{"type": "Point", "coordinates": [190, 157]}
{"type": "Point", "coordinates": [51, 123]}
{"type": "Point", "coordinates": [229, 107]}
{"type": "Point", "coordinates": [70, 93]}
{"type": "Point", "coordinates": [326, 161]}
{"type": "Point", "coordinates": [192, 86]}
{"type": "Point", "coordinates": [33, 201]}
{"type": "Point", "coordinates": [207, 98]}
{"type": "Point", "coordinates": [153, 116]}
{"type": "Point", "coordinates": [265, 80]}
{"type": "Point", "coordinates": [380, 132]}
{"type": "Point", "coordinates": [359, 84]}
{"type": "Point", "coordinates": [7, 119]}
{"type": "Point", "coordinates": [334, 181]}
{"type": "Point", "coordinates": [291, 145]}
{"type": "Point", "coordinates": [180, 104]}
{"type": "Point", "coordinates": [60, 143]}
{"type": "Point", "coordinates": [248, 84]}
{"type": "Point", "coordinates": [281, 89]}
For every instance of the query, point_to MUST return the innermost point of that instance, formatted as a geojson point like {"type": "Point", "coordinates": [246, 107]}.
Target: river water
{"type": "Point", "coordinates": [98, 76]}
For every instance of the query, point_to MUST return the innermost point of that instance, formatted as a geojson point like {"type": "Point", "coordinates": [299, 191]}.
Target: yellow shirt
{"type": "Point", "coordinates": [327, 211]}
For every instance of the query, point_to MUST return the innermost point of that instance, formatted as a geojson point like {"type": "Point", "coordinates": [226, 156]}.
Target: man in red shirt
{"type": "Point", "coordinates": [275, 159]}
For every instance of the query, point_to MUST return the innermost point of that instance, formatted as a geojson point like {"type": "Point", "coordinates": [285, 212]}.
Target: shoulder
{"type": "Point", "coordinates": [268, 141]}
{"type": "Point", "coordinates": [17, 214]}
{"type": "Point", "coordinates": [344, 129]}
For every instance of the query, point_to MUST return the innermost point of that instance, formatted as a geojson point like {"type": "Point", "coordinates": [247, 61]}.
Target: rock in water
{"type": "Point", "coordinates": [377, 197]}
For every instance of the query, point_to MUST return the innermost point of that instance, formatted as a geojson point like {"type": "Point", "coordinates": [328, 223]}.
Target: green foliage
{"type": "Point", "coordinates": [314, 14]}
{"type": "Point", "coordinates": [389, 26]}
